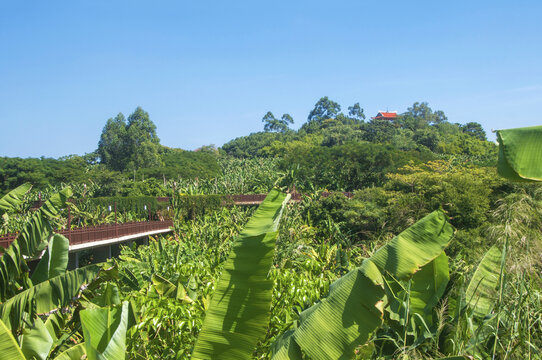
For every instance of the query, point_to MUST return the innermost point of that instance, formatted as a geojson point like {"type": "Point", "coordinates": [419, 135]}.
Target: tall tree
{"type": "Point", "coordinates": [474, 129]}
{"type": "Point", "coordinates": [112, 147]}
{"type": "Point", "coordinates": [133, 144]}
{"type": "Point", "coordinates": [274, 124]}
{"type": "Point", "coordinates": [324, 109]}
{"type": "Point", "coordinates": [422, 112]}
{"type": "Point", "coordinates": [355, 111]}
{"type": "Point", "coordinates": [143, 143]}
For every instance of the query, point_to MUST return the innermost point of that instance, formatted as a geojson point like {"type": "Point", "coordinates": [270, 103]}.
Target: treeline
{"type": "Point", "coordinates": [419, 128]}
{"type": "Point", "coordinates": [332, 149]}
{"type": "Point", "coordinates": [43, 172]}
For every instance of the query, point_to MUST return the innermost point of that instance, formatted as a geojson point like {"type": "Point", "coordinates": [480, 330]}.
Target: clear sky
{"type": "Point", "coordinates": [207, 71]}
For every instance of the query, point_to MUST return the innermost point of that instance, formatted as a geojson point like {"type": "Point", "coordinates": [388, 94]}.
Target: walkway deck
{"type": "Point", "coordinates": [95, 236]}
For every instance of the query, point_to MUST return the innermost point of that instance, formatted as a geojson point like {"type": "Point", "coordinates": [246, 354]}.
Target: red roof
{"type": "Point", "coordinates": [386, 115]}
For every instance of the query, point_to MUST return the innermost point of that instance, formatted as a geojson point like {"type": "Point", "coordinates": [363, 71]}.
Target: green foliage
{"type": "Point", "coordinates": [54, 261]}
{"type": "Point", "coordinates": [279, 125]}
{"type": "Point", "coordinates": [253, 145]}
{"type": "Point", "coordinates": [192, 206]}
{"type": "Point", "coordinates": [32, 238]}
{"type": "Point", "coordinates": [113, 147]}
{"type": "Point", "coordinates": [13, 199]}
{"type": "Point", "coordinates": [136, 204]}
{"type": "Point", "coordinates": [344, 167]}
{"type": "Point", "coordinates": [104, 330]}
{"type": "Point", "coordinates": [520, 153]}
{"type": "Point", "coordinates": [354, 307]}
{"type": "Point", "coordinates": [129, 145]}
{"type": "Point", "coordinates": [464, 192]}
{"type": "Point", "coordinates": [324, 109]}
{"type": "Point", "coordinates": [8, 346]}
{"type": "Point", "coordinates": [481, 292]}
{"type": "Point", "coordinates": [239, 308]}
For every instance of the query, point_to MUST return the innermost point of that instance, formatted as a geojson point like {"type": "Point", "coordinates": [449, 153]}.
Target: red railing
{"type": "Point", "coordinates": [102, 232]}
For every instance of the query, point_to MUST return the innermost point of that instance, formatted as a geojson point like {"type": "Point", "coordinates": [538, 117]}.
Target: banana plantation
{"type": "Point", "coordinates": [432, 257]}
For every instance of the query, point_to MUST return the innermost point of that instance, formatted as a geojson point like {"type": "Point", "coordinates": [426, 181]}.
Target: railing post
{"type": "Point", "coordinates": [69, 223]}
{"type": "Point", "coordinates": [116, 225]}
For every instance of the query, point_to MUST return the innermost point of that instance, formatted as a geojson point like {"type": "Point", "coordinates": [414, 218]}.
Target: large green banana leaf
{"type": "Point", "coordinates": [13, 198]}
{"type": "Point", "coordinates": [76, 352]}
{"type": "Point", "coordinates": [520, 153]}
{"type": "Point", "coordinates": [30, 241]}
{"type": "Point", "coordinates": [346, 318]}
{"type": "Point", "coordinates": [9, 349]}
{"type": "Point", "coordinates": [332, 328]}
{"type": "Point", "coordinates": [422, 293]}
{"type": "Point", "coordinates": [104, 330]}
{"type": "Point", "coordinates": [239, 310]}
{"type": "Point", "coordinates": [415, 247]}
{"type": "Point", "coordinates": [46, 296]}
{"type": "Point", "coordinates": [33, 237]}
{"type": "Point", "coordinates": [482, 290]}
{"type": "Point", "coordinates": [428, 285]}
{"type": "Point", "coordinates": [36, 341]}
{"type": "Point", "coordinates": [54, 261]}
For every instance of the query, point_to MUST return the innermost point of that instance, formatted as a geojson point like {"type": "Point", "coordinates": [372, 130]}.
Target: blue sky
{"type": "Point", "coordinates": [207, 71]}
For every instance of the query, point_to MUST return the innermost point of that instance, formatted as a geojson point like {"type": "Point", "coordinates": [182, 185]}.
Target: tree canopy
{"type": "Point", "coordinates": [274, 124]}
{"type": "Point", "coordinates": [131, 144]}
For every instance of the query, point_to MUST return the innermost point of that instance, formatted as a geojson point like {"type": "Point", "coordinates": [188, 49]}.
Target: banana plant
{"type": "Point", "coordinates": [239, 308]}
{"type": "Point", "coordinates": [32, 239]}
{"type": "Point", "coordinates": [35, 308]}
{"type": "Point", "coordinates": [354, 308]}
{"type": "Point", "coordinates": [14, 198]}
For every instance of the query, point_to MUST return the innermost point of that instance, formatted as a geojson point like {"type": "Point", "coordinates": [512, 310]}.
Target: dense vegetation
{"type": "Point", "coordinates": [480, 297]}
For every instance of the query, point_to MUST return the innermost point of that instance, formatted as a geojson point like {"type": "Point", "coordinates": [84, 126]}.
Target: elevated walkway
{"type": "Point", "coordinates": [102, 235]}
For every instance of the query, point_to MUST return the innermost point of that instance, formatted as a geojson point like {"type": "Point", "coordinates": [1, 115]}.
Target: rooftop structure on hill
{"type": "Point", "coordinates": [386, 115]}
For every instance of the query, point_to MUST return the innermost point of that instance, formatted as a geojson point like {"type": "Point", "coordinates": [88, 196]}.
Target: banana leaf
{"type": "Point", "coordinates": [104, 330]}
{"type": "Point", "coordinates": [520, 153]}
{"type": "Point", "coordinates": [54, 261]}
{"type": "Point", "coordinates": [13, 198]}
{"type": "Point", "coordinates": [163, 286]}
{"type": "Point", "coordinates": [31, 240]}
{"type": "Point", "coordinates": [76, 352]}
{"type": "Point", "coordinates": [109, 296]}
{"type": "Point", "coordinates": [483, 288]}
{"type": "Point", "coordinates": [285, 347]}
{"type": "Point", "coordinates": [238, 314]}
{"type": "Point", "coordinates": [353, 309]}
{"type": "Point", "coordinates": [49, 295]}
{"type": "Point", "coordinates": [428, 285]}
{"type": "Point", "coordinates": [346, 318]}
{"type": "Point", "coordinates": [9, 349]}
{"type": "Point", "coordinates": [422, 294]}
{"type": "Point", "coordinates": [36, 341]}
{"type": "Point", "coordinates": [33, 237]}
{"type": "Point", "coordinates": [55, 323]}
{"type": "Point", "coordinates": [415, 247]}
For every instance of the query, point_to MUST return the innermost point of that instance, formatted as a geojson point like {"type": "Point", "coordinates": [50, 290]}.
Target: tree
{"type": "Point", "coordinates": [355, 111]}
{"type": "Point", "coordinates": [422, 111]}
{"type": "Point", "coordinates": [112, 147]}
{"type": "Point", "coordinates": [474, 129]}
{"type": "Point", "coordinates": [324, 109]}
{"type": "Point", "coordinates": [427, 137]}
{"type": "Point", "coordinates": [274, 124]}
{"type": "Point", "coordinates": [143, 143]}
{"type": "Point", "coordinates": [133, 144]}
